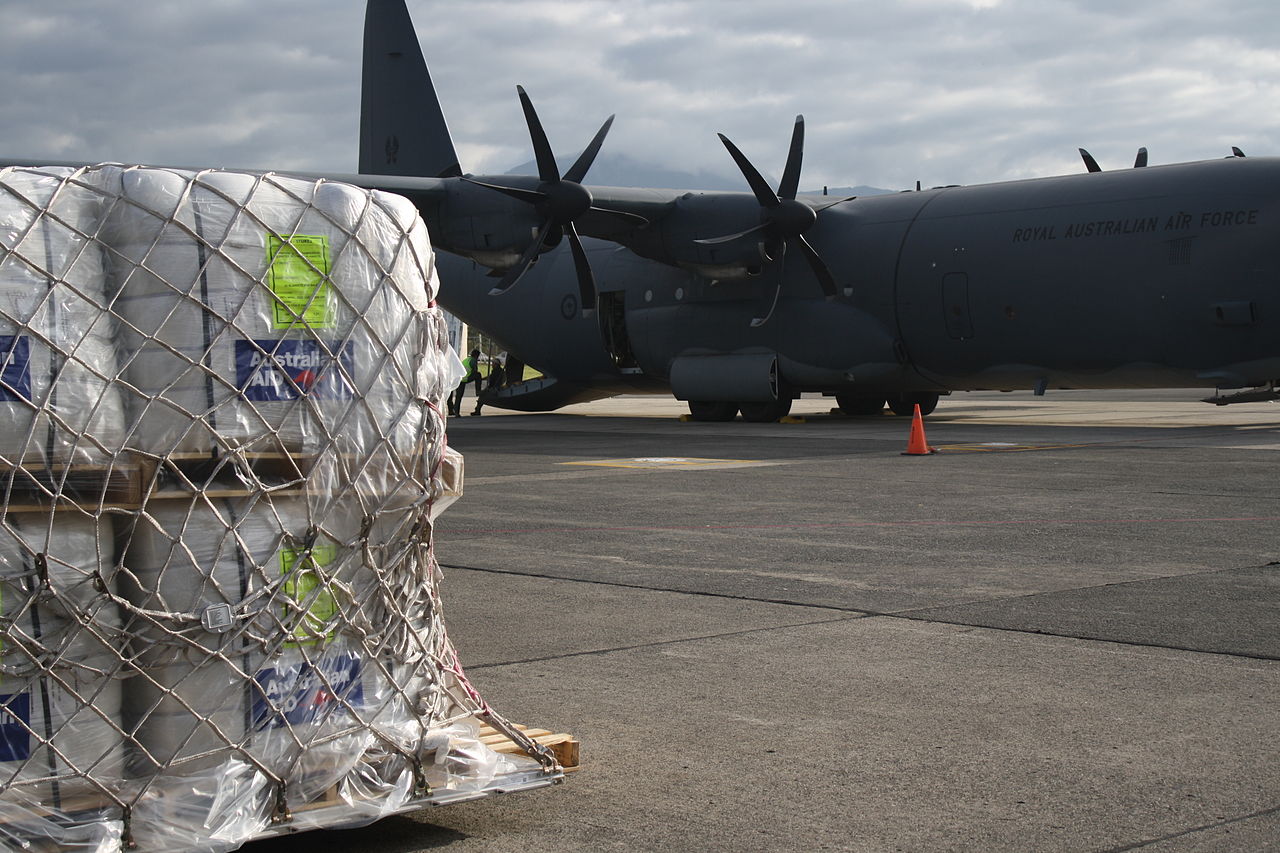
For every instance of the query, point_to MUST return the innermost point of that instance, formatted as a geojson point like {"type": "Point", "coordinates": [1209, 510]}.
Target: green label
{"type": "Point", "coordinates": [298, 275]}
{"type": "Point", "coordinates": [304, 587]}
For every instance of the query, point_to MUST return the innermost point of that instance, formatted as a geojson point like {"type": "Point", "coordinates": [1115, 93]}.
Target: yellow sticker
{"type": "Point", "coordinates": [298, 275]}
{"type": "Point", "coordinates": [305, 588]}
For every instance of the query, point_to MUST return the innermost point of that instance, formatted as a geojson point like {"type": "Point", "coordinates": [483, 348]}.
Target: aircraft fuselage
{"type": "Point", "coordinates": [1164, 276]}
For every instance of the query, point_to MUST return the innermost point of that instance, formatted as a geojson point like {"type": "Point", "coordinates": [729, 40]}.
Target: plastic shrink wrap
{"type": "Point", "coordinates": [61, 743]}
{"type": "Point", "coordinates": [58, 403]}
{"type": "Point", "coordinates": [266, 314]}
{"type": "Point", "coordinates": [289, 693]}
{"type": "Point", "coordinates": [253, 643]}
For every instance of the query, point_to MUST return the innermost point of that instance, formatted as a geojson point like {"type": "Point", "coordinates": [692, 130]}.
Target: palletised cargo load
{"type": "Point", "coordinates": [224, 447]}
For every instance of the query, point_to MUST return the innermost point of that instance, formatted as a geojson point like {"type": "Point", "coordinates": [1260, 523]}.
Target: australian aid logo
{"type": "Point", "coordinates": [15, 368]}
{"type": "Point", "coordinates": [275, 371]}
{"type": "Point", "coordinates": [307, 693]}
{"type": "Point", "coordinates": [15, 727]}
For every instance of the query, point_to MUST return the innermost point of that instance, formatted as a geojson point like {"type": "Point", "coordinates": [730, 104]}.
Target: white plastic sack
{"type": "Point", "coordinates": [265, 313]}
{"type": "Point", "coordinates": [60, 722]}
{"type": "Point", "coordinates": [236, 557]}
{"type": "Point", "coordinates": [57, 356]}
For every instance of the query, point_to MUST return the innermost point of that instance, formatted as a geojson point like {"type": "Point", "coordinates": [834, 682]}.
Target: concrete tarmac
{"type": "Point", "coordinates": [1061, 632]}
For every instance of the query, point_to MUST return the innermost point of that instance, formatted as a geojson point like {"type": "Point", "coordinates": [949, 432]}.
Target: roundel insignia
{"type": "Point", "coordinates": [569, 307]}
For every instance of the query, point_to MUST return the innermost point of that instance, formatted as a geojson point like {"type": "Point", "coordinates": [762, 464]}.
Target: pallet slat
{"type": "Point", "coordinates": [564, 747]}
{"type": "Point", "coordinates": [39, 487]}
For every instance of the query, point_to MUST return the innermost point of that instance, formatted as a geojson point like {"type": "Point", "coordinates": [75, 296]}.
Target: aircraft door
{"type": "Point", "coordinates": [955, 305]}
{"type": "Point", "coordinates": [613, 330]}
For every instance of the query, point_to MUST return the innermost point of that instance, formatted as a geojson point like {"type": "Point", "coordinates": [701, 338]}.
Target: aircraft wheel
{"type": "Point", "coordinates": [712, 410]}
{"type": "Point", "coordinates": [860, 404]}
{"type": "Point", "coordinates": [765, 413]}
{"type": "Point", "coordinates": [904, 404]}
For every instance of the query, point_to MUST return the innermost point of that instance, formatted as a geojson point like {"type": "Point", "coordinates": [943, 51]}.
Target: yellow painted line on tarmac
{"type": "Point", "coordinates": [670, 463]}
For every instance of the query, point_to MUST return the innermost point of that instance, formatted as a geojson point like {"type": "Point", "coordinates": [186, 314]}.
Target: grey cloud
{"type": "Point", "coordinates": [944, 91]}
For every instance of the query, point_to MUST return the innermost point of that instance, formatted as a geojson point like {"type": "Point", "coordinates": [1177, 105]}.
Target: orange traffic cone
{"type": "Point", "coordinates": [916, 445]}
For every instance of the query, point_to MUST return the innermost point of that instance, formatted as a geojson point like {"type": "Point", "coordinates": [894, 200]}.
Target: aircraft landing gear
{"type": "Point", "coordinates": [712, 410]}
{"type": "Point", "coordinates": [860, 404]}
{"type": "Point", "coordinates": [765, 413]}
{"type": "Point", "coordinates": [904, 404]}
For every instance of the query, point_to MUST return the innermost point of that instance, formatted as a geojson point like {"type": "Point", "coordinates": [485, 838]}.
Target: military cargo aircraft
{"type": "Point", "coordinates": [1152, 276]}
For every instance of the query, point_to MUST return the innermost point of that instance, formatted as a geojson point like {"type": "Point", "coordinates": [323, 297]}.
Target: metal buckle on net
{"type": "Point", "coordinates": [217, 618]}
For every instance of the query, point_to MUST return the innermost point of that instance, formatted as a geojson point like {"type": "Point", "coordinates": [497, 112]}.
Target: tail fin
{"type": "Point", "coordinates": [402, 128]}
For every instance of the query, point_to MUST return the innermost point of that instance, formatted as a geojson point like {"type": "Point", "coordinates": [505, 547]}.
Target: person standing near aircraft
{"type": "Point", "coordinates": [471, 373]}
{"type": "Point", "coordinates": [497, 378]}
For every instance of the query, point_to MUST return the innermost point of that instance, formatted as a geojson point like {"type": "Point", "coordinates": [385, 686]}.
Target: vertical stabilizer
{"type": "Point", "coordinates": [402, 128]}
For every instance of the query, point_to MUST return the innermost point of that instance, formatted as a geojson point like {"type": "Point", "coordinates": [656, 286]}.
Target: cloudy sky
{"type": "Point", "coordinates": [941, 91]}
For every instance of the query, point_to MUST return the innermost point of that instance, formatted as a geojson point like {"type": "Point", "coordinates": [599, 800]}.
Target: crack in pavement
{"type": "Point", "coordinates": [1138, 845]}
{"type": "Point", "coordinates": [657, 643]}
{"type": "Point", "coordinates": [910, 615]}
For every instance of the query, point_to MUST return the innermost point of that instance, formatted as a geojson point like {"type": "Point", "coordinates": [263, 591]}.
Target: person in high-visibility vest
{"type": "Point", "coordinates": [471, 366]}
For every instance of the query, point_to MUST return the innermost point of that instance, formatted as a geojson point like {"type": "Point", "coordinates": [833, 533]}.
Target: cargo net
{"type": "Point", "coordinates": [222, 448]}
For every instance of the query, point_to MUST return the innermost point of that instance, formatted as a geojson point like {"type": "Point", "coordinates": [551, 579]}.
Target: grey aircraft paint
{"type": "Point", "coordinates": [1160, 276]}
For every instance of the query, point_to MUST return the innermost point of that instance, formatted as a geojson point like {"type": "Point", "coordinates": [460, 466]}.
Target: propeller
{"type": "Point", "coordinates": [559, 200]}
{"type": "Point", "coordinates": [1092, 164]}
{"type": "Point", "coordinates": [783, 219]}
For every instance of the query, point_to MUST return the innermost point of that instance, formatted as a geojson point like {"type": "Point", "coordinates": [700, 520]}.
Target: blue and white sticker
{"type": "Point", "coordinates": [307, 693]}
{"type": "Point", "coordinates": [277, 371]}
{"type": "Point", "coordinates": [15, 727]}
{"type": "Point", "coordinates": [15, 368]}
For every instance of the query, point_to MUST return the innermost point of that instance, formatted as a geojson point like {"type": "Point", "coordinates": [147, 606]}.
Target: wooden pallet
{"type": "Point", "coordinates": [18, 816]}
{"type": "Point", "coordinates": [130, 482]}
{"type": "Point", "coordinates": [199, 469]}
{"type": "Point", "coordinates": [39, 488]}
{"type": "Point", "coordinates": [134, 479]}
{"type": "Point", "coordinates": [564, 747]}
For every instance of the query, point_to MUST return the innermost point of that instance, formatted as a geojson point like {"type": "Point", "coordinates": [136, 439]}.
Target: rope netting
{"type": "Point", "coordinates": [222, 448]}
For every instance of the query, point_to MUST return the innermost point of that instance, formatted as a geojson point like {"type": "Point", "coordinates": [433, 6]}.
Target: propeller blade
{"type": "Point", "coordinates": [578, 170]}
{"type": "Point", "coordinates": [629, 218]}
{"type": "Point", "coordinates": [1141, 159]}
{"type": "Point", "coordinates": [791, 173]}
{"type": "Point", "coordinates": [1236, 152]}
{"type": "Point", "coordinates": [820, 269]}
{"type": "Point", "coordinates": [586, 281]}
{"type": "Point", "coordinates": [822, 207]}
{"type": "Point", "coordinates": [547, 169]}
{"type": "Point", "coordinates": [1089, 163]}
{"type": "Point", "coordinates": [757, 322]}
{"type": "Point", "coordinates": [712, 241]}
{"type": "Point", "coordinates": [759, 186]}
{"type": "Point", "coordinates": [526, 260]}
{"type": "Point", "coordinates": [530, 196]}
{"type": "Point", "coordinates": [785, 219]}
